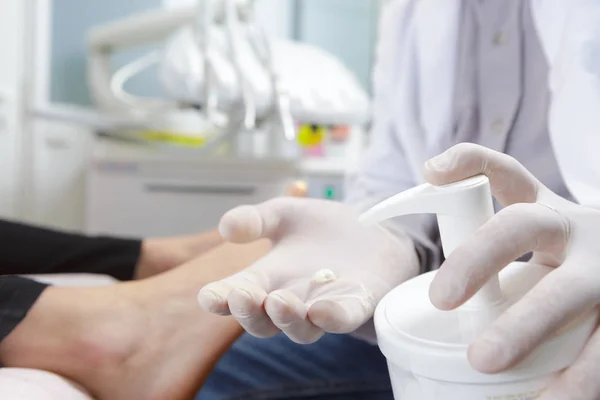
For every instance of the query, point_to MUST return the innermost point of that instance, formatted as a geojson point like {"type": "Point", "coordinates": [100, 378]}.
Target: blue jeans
{"type": "Point", "coordinates": [338, 367]}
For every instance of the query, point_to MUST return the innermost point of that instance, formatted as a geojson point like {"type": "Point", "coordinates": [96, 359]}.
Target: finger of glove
{"type": "Point", "coordinates": [246, 224]}
{"type": "Point", "coordinates": [242, 295]}
{"type": "Point", "coordinates": [247, 305]}
{"type": "Point", "coordinates": [554, 302]}
{"type": "Point", "coordinates": [289, 313]}
{"type": "Point", "coordinates": [580, 381]}
{"type": "Point", "coordinates": [512, 232]}
{"type": "Point", "coordinates": [342, 314]}
{"type": "Point", "coordinates": [214, 296]}
{"type": "Point", "coordinates": [343, 304]}
{"type": "Point", "coordinates": [510, 182]}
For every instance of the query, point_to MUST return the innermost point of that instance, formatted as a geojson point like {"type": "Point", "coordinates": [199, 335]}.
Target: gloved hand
{"type": "Point", "coordinates": [560, 233]}
{"type": "Point", "coordinates": [325, 273]}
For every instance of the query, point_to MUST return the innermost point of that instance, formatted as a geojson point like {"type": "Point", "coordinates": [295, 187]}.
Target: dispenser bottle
{"type": "Point", "coordinates": [426, 348]}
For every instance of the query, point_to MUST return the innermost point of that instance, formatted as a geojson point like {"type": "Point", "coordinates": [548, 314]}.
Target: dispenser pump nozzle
{"type": "Point", "coordinates": [461, 208]}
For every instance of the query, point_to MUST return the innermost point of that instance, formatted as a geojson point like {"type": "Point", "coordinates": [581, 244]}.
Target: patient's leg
{"type": "Point", "coordinates": [144, 340]}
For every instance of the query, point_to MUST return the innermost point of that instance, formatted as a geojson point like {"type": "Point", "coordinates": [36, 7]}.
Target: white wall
{"type": "Point", "coordinates": [68, 23]}
{"type": "Point", "coordinates": [11, 47]}
{"type": "Point", "coordinates": [345, 28]}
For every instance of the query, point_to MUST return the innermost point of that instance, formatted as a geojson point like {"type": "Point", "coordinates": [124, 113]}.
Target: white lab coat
{"type": "Point", "coordinates": [414, 85]}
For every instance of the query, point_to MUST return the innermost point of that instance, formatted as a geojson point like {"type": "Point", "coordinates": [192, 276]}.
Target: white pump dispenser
{"type": "Point", "coordinates": [427, 348]}
{"type": "Point", "coordinates": [461, 209]}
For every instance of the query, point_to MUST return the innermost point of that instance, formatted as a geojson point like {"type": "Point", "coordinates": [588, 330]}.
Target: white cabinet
{"type": "Point", "coordinates": [136, 192]}
{"type": "Point", "coordinates": [61, 156]}
{"type": "Point", "coordinates": [139, 205]}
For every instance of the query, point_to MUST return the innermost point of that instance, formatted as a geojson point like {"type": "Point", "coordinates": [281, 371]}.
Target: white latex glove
{"type": "Point", "coordinates": [560, 233]}
{"type": "Point", "coordinates": [325, 272]}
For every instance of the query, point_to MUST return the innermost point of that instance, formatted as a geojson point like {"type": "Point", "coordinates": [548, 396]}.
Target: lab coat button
{"type": "Point", "coordinates": [499, 39]}
{"type": "Point", "coordinates": [497, 126]}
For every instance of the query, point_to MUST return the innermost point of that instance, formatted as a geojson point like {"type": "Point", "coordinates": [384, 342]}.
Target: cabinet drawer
{"type": "Point", "coordinates": [133, 206]}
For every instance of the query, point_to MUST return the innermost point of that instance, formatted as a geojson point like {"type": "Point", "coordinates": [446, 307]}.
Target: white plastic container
{"type": "Point", "coordinates": [426, 348]}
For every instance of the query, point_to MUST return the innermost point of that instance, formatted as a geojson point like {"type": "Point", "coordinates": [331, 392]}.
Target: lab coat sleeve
{"type": "Point", "coordinates": [574, 58]}
{"type": "Point", "coordinates": [384, 170]}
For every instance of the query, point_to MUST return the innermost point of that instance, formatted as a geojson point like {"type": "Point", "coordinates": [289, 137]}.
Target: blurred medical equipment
{"type": "Point", "coordinates": [231, 129]}
{"type": "Point", "coordinates": [225, 81]}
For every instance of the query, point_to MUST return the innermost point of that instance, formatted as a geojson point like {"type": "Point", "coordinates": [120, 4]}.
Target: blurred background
{"type": "Point", "coordinates": [346, 28]}
{"type": "Point", "coordinates": [107, 123]}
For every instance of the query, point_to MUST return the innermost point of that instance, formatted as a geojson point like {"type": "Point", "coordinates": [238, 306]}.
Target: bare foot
{"type": "Point", "coordinates": [143, 340]}
{"type": "Point", "coordinates": [159, 255]}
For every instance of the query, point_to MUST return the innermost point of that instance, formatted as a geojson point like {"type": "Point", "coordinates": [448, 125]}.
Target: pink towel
{"type": "Point", "coordinates": [27, 384]}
